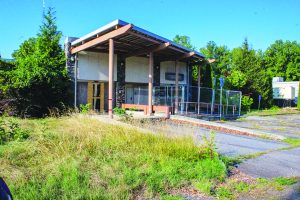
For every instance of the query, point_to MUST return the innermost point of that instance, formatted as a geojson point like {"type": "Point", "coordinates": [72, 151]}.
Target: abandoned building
{"type": "Point", "coordinates": [122, 65]}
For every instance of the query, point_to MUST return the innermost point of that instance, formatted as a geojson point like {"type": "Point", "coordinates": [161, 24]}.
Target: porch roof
{"type": "Point", "coordinates": [131, 40]}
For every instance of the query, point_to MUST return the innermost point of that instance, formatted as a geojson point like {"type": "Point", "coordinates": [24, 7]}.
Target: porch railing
{"type": "Point", "coordinates": [194, 100]}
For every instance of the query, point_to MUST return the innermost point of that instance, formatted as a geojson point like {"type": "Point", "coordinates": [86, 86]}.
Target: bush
{"type": "Point", "coordinates": [274, 108]}
{"type": "Point", "coordinates": [10, 130]}
{"type": "Point", "coordinates": [119, 111]}
{"type": "Point", "coordinates": [84, 108]}
{"type": "Point", "coordinates": [208, 147]}
{"type": "Point", "coordinates": [247, 101]}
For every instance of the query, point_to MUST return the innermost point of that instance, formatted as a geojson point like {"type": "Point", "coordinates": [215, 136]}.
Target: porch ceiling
{"type": "Point", "coordinates": [133, 41]}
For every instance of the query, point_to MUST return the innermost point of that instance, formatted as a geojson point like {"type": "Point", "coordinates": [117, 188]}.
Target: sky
{"type": "Point", "coordinates": [227, 22]}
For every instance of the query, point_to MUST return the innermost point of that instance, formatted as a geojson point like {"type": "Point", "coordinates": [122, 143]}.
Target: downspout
{"type": "Point", "coordinates": [75, 81]}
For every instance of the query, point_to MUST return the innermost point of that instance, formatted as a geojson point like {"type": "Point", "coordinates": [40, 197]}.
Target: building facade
{"type": "Point", "coordinates": [285, 93]}
{"type": "Point", "coordinates": [121, 63]}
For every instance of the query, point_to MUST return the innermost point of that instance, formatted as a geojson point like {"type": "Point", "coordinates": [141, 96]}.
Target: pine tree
{"type": "Point", "coordinates": [40, 80]}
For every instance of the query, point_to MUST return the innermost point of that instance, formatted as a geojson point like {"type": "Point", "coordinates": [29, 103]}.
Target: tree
{"type": "Point", "coordinates": [40, 77]}
{"type": "Point", "coordinates": [5, 70]}
{"type": "Point", "coordinates": [249, 64]}
{"type": "Point", "coordinates": [184, 41]}
{"type": "Point", "coordinates": [221, 54]}
{"type": "Point", "coordinates": [236, 80]}
{"type": "Point", "coordinates": [283, 59]}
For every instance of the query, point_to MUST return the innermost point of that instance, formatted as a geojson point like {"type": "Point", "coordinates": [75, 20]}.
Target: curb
{"type": "Point", "coordinates": [226, 128]}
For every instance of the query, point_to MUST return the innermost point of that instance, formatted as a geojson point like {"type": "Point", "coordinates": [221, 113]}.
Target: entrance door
{"type": "Point", "coordinates": [129, 95]}
{"type": "Point", "coordinates": [96, 96]}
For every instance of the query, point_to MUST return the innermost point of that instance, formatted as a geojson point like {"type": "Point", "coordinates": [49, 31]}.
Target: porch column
{"type": "Point", "coordinates": [176, 85]}
{"type": "Point", "coordinates": [150, 83]}
{"type": "Point", "coordinates": [199, 81]}
{"type": "Point", "coordinates": [110, 77]}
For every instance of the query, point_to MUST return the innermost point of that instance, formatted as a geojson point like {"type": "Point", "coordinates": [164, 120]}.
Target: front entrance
{"type": "Point", "coordinates": [96, 96]}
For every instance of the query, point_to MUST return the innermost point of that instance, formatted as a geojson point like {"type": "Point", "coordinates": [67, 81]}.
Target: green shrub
{"type": "Point", "coordinates": [247, 101]}
{"type": "Point", "coordinates": [10, 130]}
{"type": "Point", "coordinates": [84, 108]}
{"type": "Point", "coordinates": [274, 108]}
{"type": "Point", "coordinates": [119, 111]}
{"type": "Point", "coordinates": [208, 147]}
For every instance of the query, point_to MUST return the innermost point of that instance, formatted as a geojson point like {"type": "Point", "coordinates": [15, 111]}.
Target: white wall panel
{"type": "Point", "coordinates": [136, 70]}
{"type": "Point", "coordinates": [94, 66]}
{"type": "Point", "coordinates": [169, 66]}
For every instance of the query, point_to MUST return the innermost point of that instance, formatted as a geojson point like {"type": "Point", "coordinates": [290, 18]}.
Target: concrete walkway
{"type": "Point", "coordinates": [226, 127]}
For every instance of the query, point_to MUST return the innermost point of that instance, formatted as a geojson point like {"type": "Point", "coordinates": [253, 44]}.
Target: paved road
{"type": "Point", "coordinates": [275, 164]}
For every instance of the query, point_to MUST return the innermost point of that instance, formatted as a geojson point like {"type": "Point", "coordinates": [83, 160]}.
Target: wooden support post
{"type": "Point", "coordinates": [150, 83]}
{"type": "Point", "coordinates": [176, 85]}
{"type": "Point", "coordinates": [110, 77]}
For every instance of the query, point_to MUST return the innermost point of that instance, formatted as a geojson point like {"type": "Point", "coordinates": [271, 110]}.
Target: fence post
{"type": "Point", "coordinates": [240, 104]}
{"type": "Point", "coordinates": [221, 103]}
{"type": "Point", "coordinates": [221, 87]}
{"type": "Point", "coordinates": [198, 100]}
{"type": "Point", "coordinates": [227, 94]}
{"type": "Point", "coordinates": [212, 102]}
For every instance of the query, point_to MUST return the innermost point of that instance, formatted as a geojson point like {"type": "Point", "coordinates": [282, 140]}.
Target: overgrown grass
{"type": "Point", "coordinates": [81, 158]}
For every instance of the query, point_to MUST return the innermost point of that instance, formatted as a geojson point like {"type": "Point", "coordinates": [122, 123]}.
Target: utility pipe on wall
{"type": "Point", "coordinates": [110, 77]}
{"type": "Point", "coordinates": [75, 80]}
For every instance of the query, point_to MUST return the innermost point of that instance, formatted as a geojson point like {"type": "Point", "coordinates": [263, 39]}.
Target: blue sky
{"type": "Point", "coordinates": [225, 22]}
